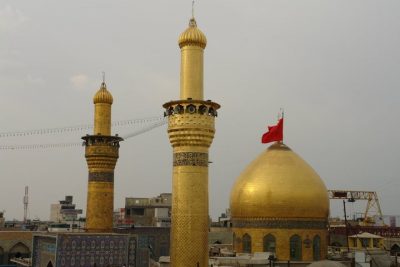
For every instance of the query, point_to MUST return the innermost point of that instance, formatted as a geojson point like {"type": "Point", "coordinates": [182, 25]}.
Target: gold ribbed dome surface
{"type": "Point", "coordinates": [103, 95]}
{"type": "Point", "coordinates": [192, 36]}
{"type": "Point", "coordinates": [279, 184]}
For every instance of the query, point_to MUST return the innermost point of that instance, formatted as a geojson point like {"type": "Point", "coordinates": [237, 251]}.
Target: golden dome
{"type": "Point", "coordinates": [103, 95]}
{"type": "Point", "coordinates": [192, 36]}
{"type": "Point", "coordinates": [279, 184]}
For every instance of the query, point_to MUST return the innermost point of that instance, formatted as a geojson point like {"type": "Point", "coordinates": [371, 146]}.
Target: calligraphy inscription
{"type": "Point", "coordinates": [101, 177]}
{"type": "Point", "coordinates": [288, 224]}
{"type": "Point", "coordinates": [191, 159]}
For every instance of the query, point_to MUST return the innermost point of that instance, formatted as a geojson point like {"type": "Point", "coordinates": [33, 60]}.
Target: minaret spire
{"type": "Point", "coordinates": [101, 154]}
{"type": "Point", "coordinates": [192, 43]}
{"type": "Point", "coordinates": [191, 131]}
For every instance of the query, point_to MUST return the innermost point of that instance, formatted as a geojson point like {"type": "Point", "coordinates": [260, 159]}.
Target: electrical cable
{"type": "Point", "coordinates": [78, 144]}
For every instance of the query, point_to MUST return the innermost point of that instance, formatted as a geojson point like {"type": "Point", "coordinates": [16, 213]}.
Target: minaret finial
{"type": "Point", "coordinates": [192, 21]}
{"type": "Point", "coordinates": [104, 76]}
{"type": "Point", "coordinates": [192, 9]}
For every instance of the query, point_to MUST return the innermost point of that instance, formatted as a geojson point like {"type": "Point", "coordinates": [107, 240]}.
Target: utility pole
{"type": "Point", "coordinates": [345, 222]}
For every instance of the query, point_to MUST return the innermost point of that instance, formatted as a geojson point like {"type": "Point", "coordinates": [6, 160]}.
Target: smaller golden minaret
{"type": "Point", "coordinates": [191, 131]}
{"type": "Point", "coordinates": [101, 155]}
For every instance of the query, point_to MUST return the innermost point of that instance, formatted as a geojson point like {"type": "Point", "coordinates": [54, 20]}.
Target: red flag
{"type": "Point", "coordinates": [275, 133]}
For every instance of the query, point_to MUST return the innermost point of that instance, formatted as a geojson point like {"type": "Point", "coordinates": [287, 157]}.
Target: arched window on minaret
{"type": "Point", "coordinates": [295, 248]}
{"type": "Point", "coordinates": [269, 242]}
{"type": "Point", "coordinates": [317, 248]}
{"type": "Point", "coordinates": [246, 242]}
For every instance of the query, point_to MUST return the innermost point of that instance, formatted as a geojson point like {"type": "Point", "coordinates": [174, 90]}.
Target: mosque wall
{"type": "Point", "coordinates": [44, 251]}
{"type": "Point", "coordinates": [14, 243]}
{"type": "Point", "coordinates": [69, 250]}
{"type": "Point", "coordinates": [282, 238]}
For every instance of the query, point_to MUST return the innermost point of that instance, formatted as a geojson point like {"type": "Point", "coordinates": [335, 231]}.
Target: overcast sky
{"type": "Point", "coordinates": [332, 65]}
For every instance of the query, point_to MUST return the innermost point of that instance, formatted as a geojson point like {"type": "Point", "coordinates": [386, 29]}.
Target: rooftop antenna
{"type": "Point", "coordinates": [25, 201]}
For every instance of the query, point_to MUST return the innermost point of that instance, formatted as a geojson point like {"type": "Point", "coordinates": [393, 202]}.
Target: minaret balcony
{"type": "Point", "coordinates": [191, 122]}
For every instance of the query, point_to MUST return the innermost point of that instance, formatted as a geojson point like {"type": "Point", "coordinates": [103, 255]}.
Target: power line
{"type": "Point", "coordinates": [146, 129]}
{"type": "Point", "coordinates": [157, 124]}
{"type": "Point", "coordinates": [39, 146]}
{"type": "Point", "coordinates": [75, 128]}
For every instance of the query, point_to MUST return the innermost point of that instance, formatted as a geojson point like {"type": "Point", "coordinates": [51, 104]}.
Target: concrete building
{"type": "Point", "coordinates": [365, 241]}
{"type": "Point", "coordinates": [2, 219]}
{"type": "Point", "coordinates": [64, 211]}
{"type": "Point", "coordinates": [119, 218]}
{"type": "Point", "coordinates": [155, 211]}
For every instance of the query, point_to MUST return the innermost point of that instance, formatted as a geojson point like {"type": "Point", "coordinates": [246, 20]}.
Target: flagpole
{"type": "Point", "coordinates": [275, 132]}
{"type": "Point", "coordinates": [282, 116]}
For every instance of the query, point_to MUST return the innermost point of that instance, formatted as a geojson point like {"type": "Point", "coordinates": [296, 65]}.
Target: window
{"type": "Point", "coordinates": [317, 248]}
{"type": "Point", "coordinates": [354, 242]}
{"type": "Point", "coordinates": [364, 242]}
{"type": "Point", "coordinates": [246, 241]}
{"type": "Point", "coordinates": [19, 250]}
{"type": "Point", "coordinates": [394, 249]}
{"type": "Point", "coordinates": [295, 248]}
{"type": "Point", "coordinates": [137, 211]}
{"type": "Point", "coordinates": [269, 243]}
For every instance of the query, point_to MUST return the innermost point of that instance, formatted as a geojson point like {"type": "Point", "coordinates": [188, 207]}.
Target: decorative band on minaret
{"type": "Point", "coordinates": [191, 132]}
{"type": "Point", "coordinates": [101, 154]}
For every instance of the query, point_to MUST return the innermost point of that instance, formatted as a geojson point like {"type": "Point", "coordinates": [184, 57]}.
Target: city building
{"type": "Point", "coordinates": [155, 211]}
{"type": "Point", "coordinates": [119, 218]}
{"type": "Point", "coordinates": [365, 240]}
{"type": "Point", "coordinates": [2, 219]}
{"type": "Point", "coordinates": [64, 211]}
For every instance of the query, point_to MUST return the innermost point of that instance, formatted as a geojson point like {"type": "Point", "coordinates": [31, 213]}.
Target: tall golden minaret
{"type": "Point", "coordinates": [101, 155]}
{"type": "Point", "coordinates": [191, 131]}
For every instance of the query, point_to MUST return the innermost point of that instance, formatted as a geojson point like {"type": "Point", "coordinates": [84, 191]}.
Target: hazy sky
{"type": "Point", "coordinates": [333, 65]}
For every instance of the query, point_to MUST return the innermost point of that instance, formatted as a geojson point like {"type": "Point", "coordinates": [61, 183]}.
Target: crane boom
{"type": "Point", "coordinates": [373, 207]}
